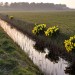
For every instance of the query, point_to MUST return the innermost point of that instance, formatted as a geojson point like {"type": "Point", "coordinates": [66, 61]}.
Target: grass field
{"type": "Point", "coordinates": [13, 61]}
{"type": "Point", "coordinates": [64, 19]}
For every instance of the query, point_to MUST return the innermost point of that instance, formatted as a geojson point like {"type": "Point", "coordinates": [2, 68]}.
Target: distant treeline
{"type": "Point", "coordinates": [25, 6]}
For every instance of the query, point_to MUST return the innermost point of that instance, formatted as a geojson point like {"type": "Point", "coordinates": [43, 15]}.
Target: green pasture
{"type": "Point", "coordinates": [64, 19]}
{"type": "Point", "coordinates": [13, 61]}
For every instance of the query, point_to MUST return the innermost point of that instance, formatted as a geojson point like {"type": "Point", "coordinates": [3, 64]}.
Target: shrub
{"type": "Point", "coordinates": [39, 29]}
{"type": "Point", "coordinates": [11, 17]}
{"type": "Point", "coordinates": [70, 44]}
{"type": "Point", "coordinates": [52, 31]}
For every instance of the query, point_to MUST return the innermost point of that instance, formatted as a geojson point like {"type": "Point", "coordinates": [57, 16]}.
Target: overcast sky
{"type": "Point", "coordinates": [69, 3]}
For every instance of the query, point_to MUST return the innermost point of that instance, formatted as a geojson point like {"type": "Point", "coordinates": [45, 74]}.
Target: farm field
{"type": "Point", "coordinates": [13, 61]}
{"type": "Point", "coordinates": [64, 19]}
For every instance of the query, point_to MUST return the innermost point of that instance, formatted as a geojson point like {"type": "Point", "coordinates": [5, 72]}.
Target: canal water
{"type": "Point", "coordinates": [38, 58]}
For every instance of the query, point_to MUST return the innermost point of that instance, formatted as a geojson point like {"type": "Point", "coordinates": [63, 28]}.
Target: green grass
{"type": "Point", "coordinates": [64, 19]}
{"type": "Point", "coordinates": [13, 61]}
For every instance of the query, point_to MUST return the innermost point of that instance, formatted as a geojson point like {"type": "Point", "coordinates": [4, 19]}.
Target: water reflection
{"type": "Point", "coordinates": [38, 58]}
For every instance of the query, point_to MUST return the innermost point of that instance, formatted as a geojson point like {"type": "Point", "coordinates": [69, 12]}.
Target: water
{"type": "Point", "coordinates": [38, 58]}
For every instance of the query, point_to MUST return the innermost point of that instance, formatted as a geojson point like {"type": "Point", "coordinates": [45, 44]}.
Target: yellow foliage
{"type": "Point", "coordinates": [11, 17]}
{"type": "Point", "coordinates": [70, 44]}
{"type": "Point", "coordinates": [51, 31]}
{"type": "Point", "coordinates": [38, 28]}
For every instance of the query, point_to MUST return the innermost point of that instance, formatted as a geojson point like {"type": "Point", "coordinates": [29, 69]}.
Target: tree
{"type": "Point", "coordinates": [6, 4]}
{"type": "Point", "coordinates": [1, 3]}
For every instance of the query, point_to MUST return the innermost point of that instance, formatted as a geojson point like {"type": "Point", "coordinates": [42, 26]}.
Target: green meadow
{"type": "Point", "coordinates": [13, 61]}
{"type": "Point", "coordinates": [64, 19]}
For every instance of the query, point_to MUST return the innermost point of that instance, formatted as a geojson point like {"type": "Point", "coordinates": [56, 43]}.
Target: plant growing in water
{"type": "Point", "coordinates": [52, 31]}
{"type": "Point", "coordinates": [11, 17]}
{"type": "Point", "coordinates": [70, 44]}
{"type": "Point", "coordinates": [39, 29]}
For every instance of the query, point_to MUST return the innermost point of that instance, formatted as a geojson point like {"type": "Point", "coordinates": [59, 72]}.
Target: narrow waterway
{"type": "Point", "coordinates": [38, 58]}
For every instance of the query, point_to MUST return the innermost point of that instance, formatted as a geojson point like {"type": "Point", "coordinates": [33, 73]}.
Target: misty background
{"type": "Point", "coordinates": [25, 6]}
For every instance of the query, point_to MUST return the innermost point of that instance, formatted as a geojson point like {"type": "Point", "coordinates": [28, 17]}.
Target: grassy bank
{"type": "Point", "coordinates": [13, 61]}
{"type": "Point", "coordinates": [65, 20]}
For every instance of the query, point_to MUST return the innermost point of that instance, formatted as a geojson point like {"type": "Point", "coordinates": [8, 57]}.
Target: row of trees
{"type": "Point", "coordinates": [32, 6]}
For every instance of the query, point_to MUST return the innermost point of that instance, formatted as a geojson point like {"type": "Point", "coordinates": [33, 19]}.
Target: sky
{"type": "Point", "coordinates": [69, 3]}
